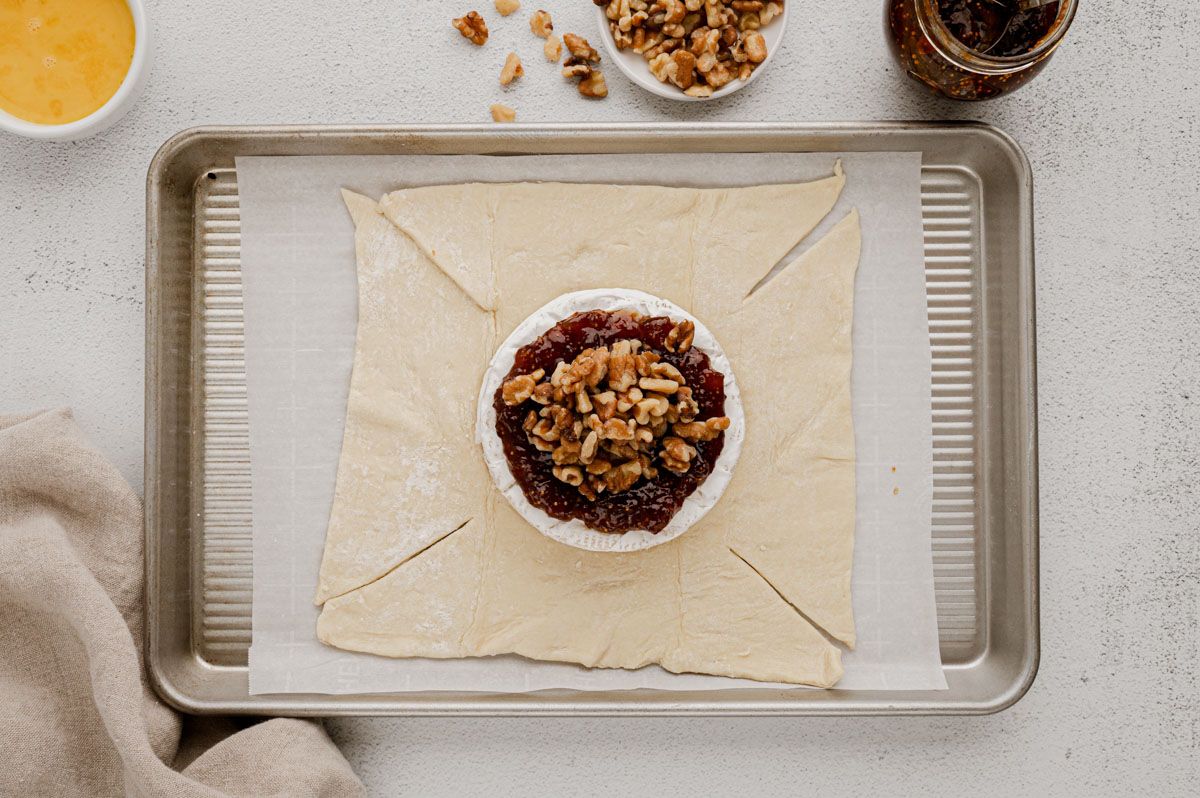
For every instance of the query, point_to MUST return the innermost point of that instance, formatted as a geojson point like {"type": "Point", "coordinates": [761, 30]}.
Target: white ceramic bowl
{"type": "Point", "coordinates": [637, 68]}
{"type": "Point", "coordinates": [108, 114]}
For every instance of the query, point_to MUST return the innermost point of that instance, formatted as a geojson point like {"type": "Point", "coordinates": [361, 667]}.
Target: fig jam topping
{"type": "Point", "coordinates": [997, 27]}
{"type": "Point", "coordinates": [613, 419]}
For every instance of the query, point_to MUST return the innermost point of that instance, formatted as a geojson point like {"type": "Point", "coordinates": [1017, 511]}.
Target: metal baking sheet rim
{"type": "Point", "coordinates": [184, 680]}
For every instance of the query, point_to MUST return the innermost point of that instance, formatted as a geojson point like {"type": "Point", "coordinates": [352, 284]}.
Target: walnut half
{"type": "Point", "coordinates": [580, 48]}
{"type": "Point", "coordinates": [472, 27]}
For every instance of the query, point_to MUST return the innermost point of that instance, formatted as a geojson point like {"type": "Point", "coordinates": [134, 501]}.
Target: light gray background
{"type": "Point", "coordinates": [1111, 129]}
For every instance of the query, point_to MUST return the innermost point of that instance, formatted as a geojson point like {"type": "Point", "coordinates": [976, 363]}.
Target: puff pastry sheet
{"type": "Point", "coordinates": [424, 557]}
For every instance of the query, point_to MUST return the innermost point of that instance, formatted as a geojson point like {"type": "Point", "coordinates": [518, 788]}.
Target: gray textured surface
{"type": "Point", "coordinates": [1111, 129]}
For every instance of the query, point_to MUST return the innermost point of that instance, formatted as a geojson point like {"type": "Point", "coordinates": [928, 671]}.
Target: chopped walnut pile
{"type": "Point", "coordinates": [579, 65]}
{"type": "Point", "coordinates": [697, 45]}
{"type": "Point", "coordinates": [472, 26]}
{"type": "Point", "coordinates": [614, 416]}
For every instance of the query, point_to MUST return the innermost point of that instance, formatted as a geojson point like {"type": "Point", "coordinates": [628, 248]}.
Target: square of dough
{"type": "Point", "coordinates": [424, 557]}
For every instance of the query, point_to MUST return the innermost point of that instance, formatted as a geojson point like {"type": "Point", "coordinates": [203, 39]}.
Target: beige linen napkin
{"type": "Point", "coordinates": [77, 717]}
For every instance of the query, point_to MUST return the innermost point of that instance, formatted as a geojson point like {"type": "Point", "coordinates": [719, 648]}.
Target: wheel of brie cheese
{"type": "Point", "coordinates": [611, 420]}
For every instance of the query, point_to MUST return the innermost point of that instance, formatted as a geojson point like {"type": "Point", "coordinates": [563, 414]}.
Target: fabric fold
{"type": "Point", "coordinates": [78, 715]}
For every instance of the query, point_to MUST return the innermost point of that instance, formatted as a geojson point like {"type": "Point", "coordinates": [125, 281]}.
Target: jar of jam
{"type": "Point", "coordinates": [974, 49]}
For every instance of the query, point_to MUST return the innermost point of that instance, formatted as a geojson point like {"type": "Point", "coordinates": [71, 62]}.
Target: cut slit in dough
{"type": "Point", "coordinates": [735, 595]}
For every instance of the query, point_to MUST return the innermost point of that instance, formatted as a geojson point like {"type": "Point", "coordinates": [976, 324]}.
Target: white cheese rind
{"type": "Point", "coordinates": [574, 532]}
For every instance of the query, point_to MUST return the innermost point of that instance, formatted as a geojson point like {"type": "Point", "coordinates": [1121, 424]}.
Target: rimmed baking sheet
{"type": "Point", "coordinates": [976, 217]}
{"type": "Point", "coordinates": [300, 306]}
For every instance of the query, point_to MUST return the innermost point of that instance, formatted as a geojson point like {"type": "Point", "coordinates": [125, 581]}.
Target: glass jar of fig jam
{"type": "Point", "coordinates": [974, 49]}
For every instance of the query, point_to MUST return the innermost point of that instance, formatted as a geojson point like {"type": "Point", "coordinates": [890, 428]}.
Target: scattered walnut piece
{"type": "Point", "coordinates": [473, 27]}
{"type": "Point", "coordinates": [593, 85]}
{"type": "Point", "coordinates": [540, 24]}
{"type": "Point", "coordinates": [506, 7]}
{"type": "Point", "coordinates": [552, 49]}
{"type": "Point", "coordinates": [502, 113]}
{"type": "Point", "coordinates": [575, 68]}
{"type": "Point", "coordinates": [711, 42]}
{"type": "Point", "coordinates": [579, 47]}
{"type": "Point", "coordinates": [512, 69]}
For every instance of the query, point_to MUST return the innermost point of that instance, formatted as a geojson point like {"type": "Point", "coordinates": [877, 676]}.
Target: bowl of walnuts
{"type": "Point", "coordinates": [692, 50]}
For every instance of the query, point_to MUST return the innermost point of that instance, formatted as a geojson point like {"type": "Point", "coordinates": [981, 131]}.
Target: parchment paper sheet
{"type": "Point", "coordinates": [301, 308]}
